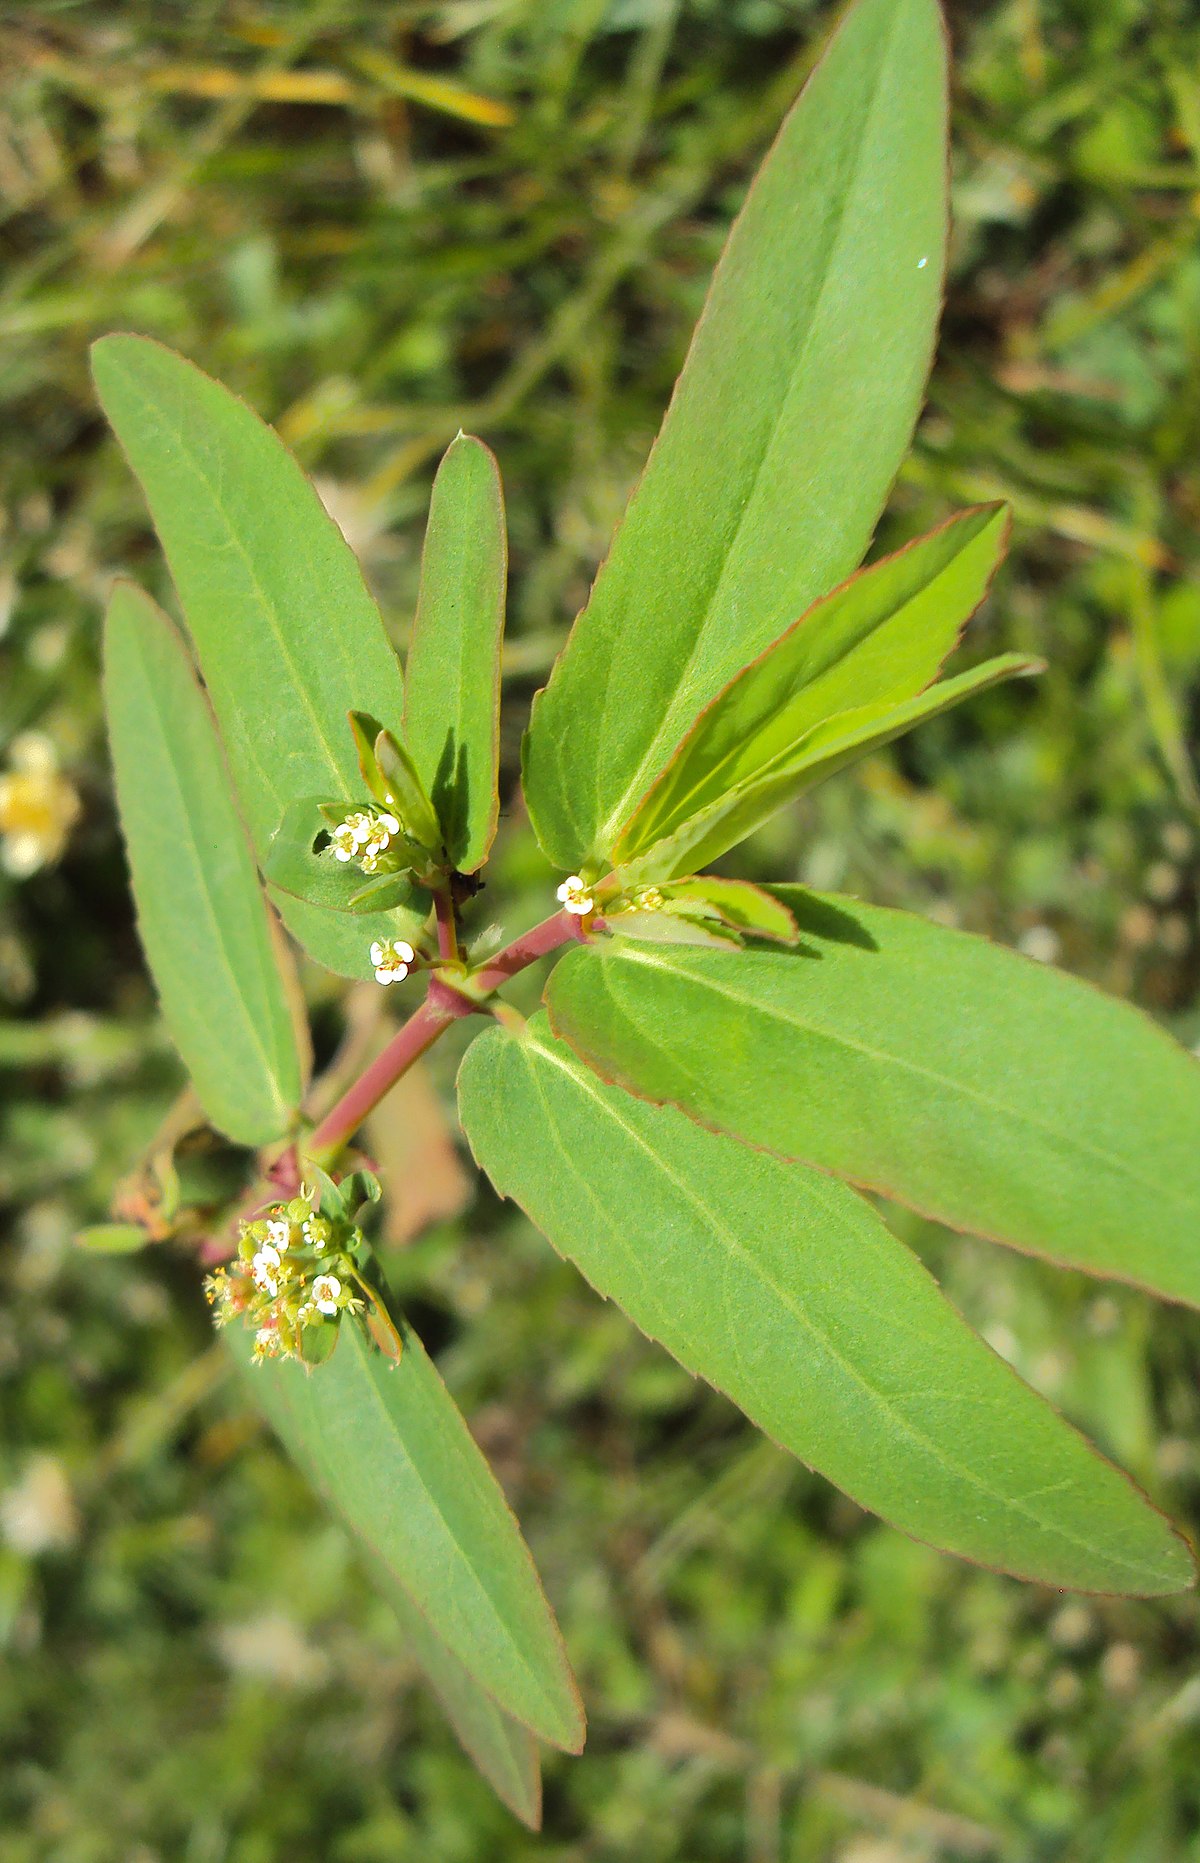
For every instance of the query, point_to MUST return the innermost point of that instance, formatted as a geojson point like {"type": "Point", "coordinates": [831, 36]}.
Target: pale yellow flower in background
{"type": "Point", "coordinates": [38, 807]}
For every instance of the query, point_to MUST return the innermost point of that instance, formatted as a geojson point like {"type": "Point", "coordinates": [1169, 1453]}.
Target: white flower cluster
{"type": "Point", "coordinates": [364, 836]}
{"type": "Point", "coordinates": [575, 896]}
{"type": "Point", "coordinates": [293, 1271]}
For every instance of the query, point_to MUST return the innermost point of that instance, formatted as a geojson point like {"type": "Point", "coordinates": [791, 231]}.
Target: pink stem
{"type": "Point", "coordinates": [549, 936]}
{"type": "Point", "coordinates": [406, 1046]}
{"type": "Point", "coordinates": [442, 1006]}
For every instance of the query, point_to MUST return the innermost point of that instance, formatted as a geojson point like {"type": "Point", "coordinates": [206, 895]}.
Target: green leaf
{"type": "Point", "coordinates": [364, 729]}
{"type": "Point", "coordinates": [876, 642]}
{"type": "Point", "coordinates": [407, 791]}
{"type": "Point", "coordinates": [722, 910]}
{"type": "Point", "coordinates": [985, 1090]}
{"type": "Point", "coordinates": [382, 892]}
{"type": "Point", "coordinates": [504, 1751]}
{"type": "Point", "coordinates": [673, 927]}
{"type": "Point", "coordinates": [388, 1447]}
{"type": "Point", "coordinates": [296, 870]}
{"type": "Point", "coordinates": [785, 1291]}
{"type": "Point", "coordinates": [201, 913]}
{"type": "Point", "coordinates": [342, 941]}
{"type": "Point", "coordinates": [826, 750]}
{"type": "Point", "coordinates": [287, 637]}
{"type": "Point", "coordinates": [452, 692]}
{"type": "Point", "coordinates": [293, 866]}
{"type": "Point", "coordinates": [793, 412]}
{"type": "Point", "coordinates": [112, 1238]}
{"type": "Point", "coordinates": [736, 902]}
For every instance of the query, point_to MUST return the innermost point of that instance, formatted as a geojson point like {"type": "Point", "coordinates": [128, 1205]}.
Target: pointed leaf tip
{"type": "Point", "coordinates": [724, 541]}
{"type": "Point", "coordinates": [287, 636]}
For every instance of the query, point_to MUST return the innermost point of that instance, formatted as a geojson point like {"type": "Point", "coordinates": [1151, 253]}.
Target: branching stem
{"type": "Point", "coordinates": [445, 1002]}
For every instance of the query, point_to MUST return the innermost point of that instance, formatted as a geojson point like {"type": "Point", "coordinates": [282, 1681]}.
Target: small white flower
{"type": "Point", "coordinates": [315, 1233]}
{"type": "Point", "coordinates": [279, 1234]}
{"type": "Point", "coordinates": [350, 835]}
{"type": "Point", "coordinates": [264, 1269]}
{"type": "Point", "coordinates": [391, 958]}
{"type": "Point", "coordinates": [266, 1342]}
{"type": "Point", "coordinates": [383, 827]}
{"type": "Point", "coordinates": [326, 1292]}
{"type": "Point", "coordinates": [575, 896]}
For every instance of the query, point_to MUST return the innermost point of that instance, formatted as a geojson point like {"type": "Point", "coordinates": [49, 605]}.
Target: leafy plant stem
{"type": "Point", "coordinates": [444, 1003]}
{"type": "Point", "coordinates": [407, 1045]}
{"type": "Point", "coordinates": [447, 929]}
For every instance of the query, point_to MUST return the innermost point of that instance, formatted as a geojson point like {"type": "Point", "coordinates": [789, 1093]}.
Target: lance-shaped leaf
{"type": "Point", "coordinates": [738, 904]}
{"type": "Point", "coordinates": [786, 1291]}
{"type": "Point", "coordinates": [452, 679]}
{"type": "Point", "coordinates": [388, 1447]}
{"type": "Point", "coordinates": [703, 910]}
{"type": "Point", "coordinates": [875, 643]}
{"type": "Point", "coordinates": [201, 913]}
{"type": "Point", "coordinates": [828, 748]}
{"type": "Point", "coordinates": [287, 636]}
{"type": "Point", "coordinates": [785, 430]}
{"type": "Point", "coordinates": [504, 1751]}
{"type": "Point", "coordinates": [990, 1092]}
{"type": "Point", "coordinates": [399, 772]}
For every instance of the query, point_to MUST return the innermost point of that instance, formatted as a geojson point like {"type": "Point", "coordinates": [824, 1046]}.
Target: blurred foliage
{"type": "Point", "coordinates": [379, 223]}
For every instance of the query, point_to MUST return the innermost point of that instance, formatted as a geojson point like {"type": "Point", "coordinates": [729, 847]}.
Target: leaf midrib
{"type": "Point", "coordinates": [396, 1435]}
{"type": "Point", "coordinates": [902, 1424]}
{"type": "Point", "coordinates": [605, 835]}
{"type": "Point", "coordinates": [153, 405]}
{"type": "Point", "coordinates": [248, 1020]}
{"type": "Point", "coordinates": [1019, 1117]}
{"type": "Point", "coordinates": [712, 774]}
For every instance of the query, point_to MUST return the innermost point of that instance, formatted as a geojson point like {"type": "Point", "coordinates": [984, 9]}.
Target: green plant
{"type": "Point", "coordinates": [714, 1056]}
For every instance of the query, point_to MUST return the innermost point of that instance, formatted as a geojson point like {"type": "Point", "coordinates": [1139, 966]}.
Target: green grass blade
{"type": "Point", "coordinates": [785, 1291]}
{"type": "Point", "coordinates": [389, 1449]}
{"type": "Point", "coordinates": [875, 642]}
{"type": "Point", "coordinates": [985, 1090]}
{"type": "Point", "coordinates": [287, 637]}
{"type": "Point", "coordinates": [785, 431]}
{"type": "Point", "coordinates": [201, 912]}
{"type": "Point", "coordinates": [452, 692]}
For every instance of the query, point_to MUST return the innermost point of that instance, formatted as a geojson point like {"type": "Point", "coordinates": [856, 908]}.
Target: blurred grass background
{"type": "Point", "coordinates": [379, 223]}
